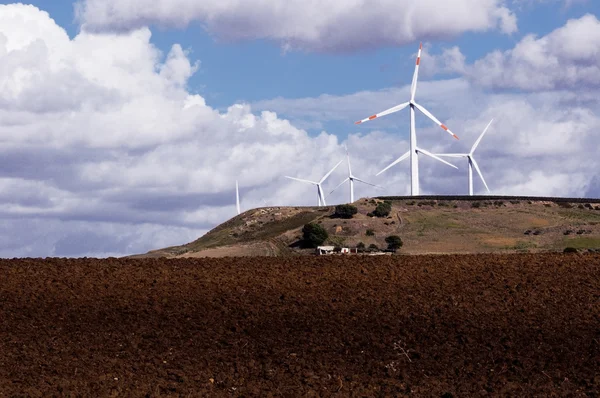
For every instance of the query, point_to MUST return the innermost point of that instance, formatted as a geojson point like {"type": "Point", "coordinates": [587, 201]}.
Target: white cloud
{"type": "Point", "coordinates": [567, 58]}
{"type": "Point", "coordinates": [314, 25]}
{"type": "Point", "coordinates": [101, 131]}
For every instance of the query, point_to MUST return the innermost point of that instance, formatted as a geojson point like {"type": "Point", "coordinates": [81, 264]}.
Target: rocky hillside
{"type": "Point", "coordinates": [426, 225]}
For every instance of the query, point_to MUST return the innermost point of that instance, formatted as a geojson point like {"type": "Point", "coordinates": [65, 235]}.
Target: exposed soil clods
{"type": "Point", "coordinates": [459, 325]}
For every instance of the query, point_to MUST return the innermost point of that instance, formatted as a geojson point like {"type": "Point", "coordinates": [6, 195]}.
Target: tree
{"type": "Point", "coordinates": [382, 209]}
{"type": "Point", "coordinates": [345, 211]}
{"type": "Point", "coordinates": [360, 247]}
{"type": "Point", "coordinates": [313, 234]}
{"type": "Point", "coordinates": [394, 242]}
{"type": "Point", "coordinates": [373, 247]}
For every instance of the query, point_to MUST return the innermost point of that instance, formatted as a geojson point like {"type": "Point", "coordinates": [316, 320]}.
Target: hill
{"type": "Point", "coordinates": [426, 224]}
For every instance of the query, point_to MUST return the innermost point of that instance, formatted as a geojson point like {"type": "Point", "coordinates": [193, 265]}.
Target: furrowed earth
{"type": "Point", "coordinates": [446, 325]}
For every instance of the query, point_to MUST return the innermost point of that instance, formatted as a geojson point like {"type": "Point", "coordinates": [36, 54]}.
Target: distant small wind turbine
{"type": "Point", "coordinates": [320, 195]}
{"type": "Point", "coordinates": [351, 178]}
{"type": "Point", "coordinates": [237, 197]}
{"type": "Point", "coordinates": [414, 149]}
{"type": "Point", "coordinates": [472, 162]}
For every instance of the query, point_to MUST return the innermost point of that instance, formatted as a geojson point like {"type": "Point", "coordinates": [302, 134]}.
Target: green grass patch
{"type": "Point", "coordinates": [582, 242]}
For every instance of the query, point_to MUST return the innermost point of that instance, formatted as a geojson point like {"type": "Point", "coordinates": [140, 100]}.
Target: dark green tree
{"type": "Point", "coordinates": [313, 234]}
{"type": "Point", "coordinates": [382, 209]}
{"type": "Point", "coordinates": [394, 242]}
{"type": "Point", "coordinates": [345, 211]}
{"type": "Point", "coordinates": [373, 247]}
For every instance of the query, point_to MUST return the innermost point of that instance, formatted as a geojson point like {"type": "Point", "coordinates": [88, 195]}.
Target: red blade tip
{"type": "Point", "coordinates": [455, 136]}
{"type": "Point", "coordinates": [359, 122]}
{"type": "Point", "coordinates": [420, 46]}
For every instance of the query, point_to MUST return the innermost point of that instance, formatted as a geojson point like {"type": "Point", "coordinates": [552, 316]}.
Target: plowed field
{"type": "Point", "coordinates": [456, 325]}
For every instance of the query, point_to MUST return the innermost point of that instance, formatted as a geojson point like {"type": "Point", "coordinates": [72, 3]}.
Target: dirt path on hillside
{"type": "Point", "coordinates": [474, 325]}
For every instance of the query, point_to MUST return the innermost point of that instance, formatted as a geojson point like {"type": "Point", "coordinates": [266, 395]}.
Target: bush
{"type": "Point", "coordinates": [345, 211]}
{"type": "Point", "coordinates": [570, 250]}
{"type": "Point", "coordinates": [476, 205]}
{"type": "Point", "coordinates": [313, 235]}
{"type": "Point", "coordinates": [394, 242]}
{"type": "Point", "coordinates": [370, 232]}
{"type": "Point", "coordinates": [373, 247]}
{"type": "Point", "coordinates": [382, 209]}
{"type": "Point", "coordinates": [360, 246]}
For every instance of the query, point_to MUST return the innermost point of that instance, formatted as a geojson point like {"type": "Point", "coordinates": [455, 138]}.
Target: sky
{"type": "Point", "coordinates": [124, 124]}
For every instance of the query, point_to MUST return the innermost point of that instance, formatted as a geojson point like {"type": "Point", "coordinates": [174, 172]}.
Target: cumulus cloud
{"type": "Point", "coordinates": [99, 136]}
{"type": "Point", "coordinates": [328, 26]}
{"type": "Point", "coordinates": [566, 58]}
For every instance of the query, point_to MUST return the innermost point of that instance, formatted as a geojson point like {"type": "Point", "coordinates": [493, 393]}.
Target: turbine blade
{"type": "Point", "coordinates": [368, 183]}
{"type": "Point", "coordinates": [431, 155]}
{"type": "Point", "coordinates": [452, 155]}
{"type": "Point", "coordinates": [395, 162]}
{"type": "Point", "coordinates": [479, 172]}
{"type": "Point", "coordinates": [386, 112]}
{"type": "Point", "coordinates": [435, 120]}
{"type": "Point", "coordinates": [413, 86]}
{"type": "Point", "coordinates": [348, 157]}
{"type": "Point", "coordinates": [480, 137]}
{"type": "Point", "coordinates": [330, 171]}
{"type": "Point", "coordinates": [339, 185]}
{"type": "Point", "coordinates": [301, 180]}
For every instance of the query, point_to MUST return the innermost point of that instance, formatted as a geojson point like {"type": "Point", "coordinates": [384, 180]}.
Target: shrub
{"type": "Point", "coordinates": [360, 246]}
{"type": "Point", "coordinates": [313, 234]}
{"type": "Point", "coordinates": [570, 250]}
{"type": "Point", "coordinates": [370, 232]}
{"type": "Point", "coordinates": [394, 242]}
{"type": "Point", "coordinates": [373, 247]}
{"type": "Point", "coordinates": [382, 209]}
{"type": "Point", "coordinates": [476, 205]}
{"type": "Point", "coordinates": [345, 211]}
{"type": "Point", "coordinates": [580, 206]}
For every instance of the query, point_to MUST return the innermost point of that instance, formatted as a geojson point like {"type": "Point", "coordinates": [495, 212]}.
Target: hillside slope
{"type": "Point", "coordinates": [426, 225]}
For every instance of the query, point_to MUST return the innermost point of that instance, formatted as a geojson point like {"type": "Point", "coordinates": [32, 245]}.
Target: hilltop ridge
{"type": "Point", "coordinates": [426, 224]}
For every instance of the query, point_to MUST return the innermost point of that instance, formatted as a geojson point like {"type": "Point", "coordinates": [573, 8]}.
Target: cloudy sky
{"type": "Point", "coordinates": [125, 123]}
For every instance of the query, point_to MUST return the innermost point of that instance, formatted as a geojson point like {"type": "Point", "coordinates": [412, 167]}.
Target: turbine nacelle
{"type": "Point", "coordinates": [320, 194]}
{"type": "Point", "coordinates": [471, 160]}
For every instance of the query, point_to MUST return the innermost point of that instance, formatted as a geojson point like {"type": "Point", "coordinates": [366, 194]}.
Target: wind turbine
{"type": "Point", "coordinates": [351, 178]}
{"type": "Point", "coordinates": [320, 195]}
{"type": "Point", "coordinates": [237, 197]}
{"type": "Point", "coordinates": [414, 149]}
{"type": "Point", "coordinates": [472, 162]}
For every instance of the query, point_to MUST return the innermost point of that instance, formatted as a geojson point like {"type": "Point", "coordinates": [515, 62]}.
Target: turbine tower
{"type": "Point", "coordinates": [320, 195]}
{"type": "Point", "coordinates": [351, 178]}
{"type": "Point", "coordinates": [471, 159]}
{"type": "Point", "coordinates": [237, 197]}
{"type": "Point", "coordinates": [414, 149]}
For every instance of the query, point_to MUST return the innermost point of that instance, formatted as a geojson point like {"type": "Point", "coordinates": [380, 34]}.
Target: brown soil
{"type": "Point", "coordinates": [455, 325]}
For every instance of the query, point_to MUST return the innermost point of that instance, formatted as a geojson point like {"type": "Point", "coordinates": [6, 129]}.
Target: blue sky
{"type": "Point", "coordinates": [128, 121]}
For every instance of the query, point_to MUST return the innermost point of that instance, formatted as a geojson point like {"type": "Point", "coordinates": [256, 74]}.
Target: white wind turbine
{"type": "Point", "coordinates": [472, 162]}
{"type": "Point", "coordinates": [351, 178]}
{"type": "Point", "coordinates": [237, 197]}
{"type": "Point", "coordinates": [414, 149]}
{"type": "Point", "coordinates": [320, 195]}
